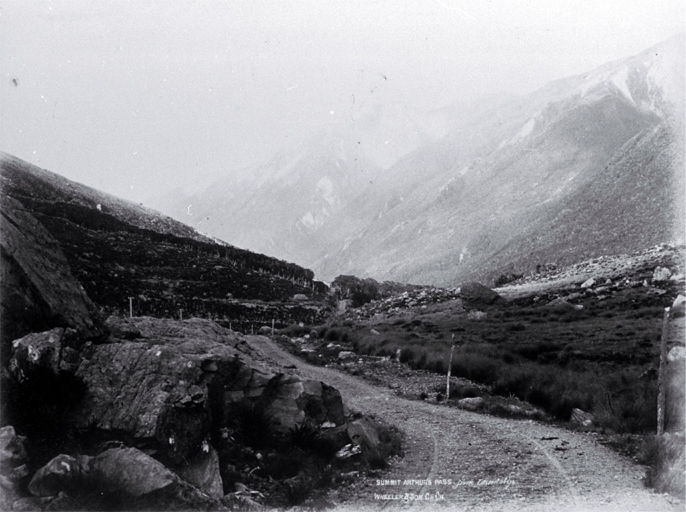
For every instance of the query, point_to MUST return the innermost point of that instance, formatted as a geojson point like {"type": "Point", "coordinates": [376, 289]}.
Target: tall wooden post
{"type": "Point", "coordinates": [180, 314]}
{"type": "Point", "coordinates": [272, 327]}
{"type": "Point", "coordinates": [661, 375]}
{"type": "Point", "coordinates": [450, 366]}
{"type": "Point", "coordinates": [130, 307]}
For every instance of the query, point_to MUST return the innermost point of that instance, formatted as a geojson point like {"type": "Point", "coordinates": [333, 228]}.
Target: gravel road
{"type": "Point", "coordinates": [458, 460]}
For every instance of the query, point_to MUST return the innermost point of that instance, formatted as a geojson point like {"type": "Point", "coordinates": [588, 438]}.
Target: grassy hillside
{"type": "Point", "coordinates": [162, 271]}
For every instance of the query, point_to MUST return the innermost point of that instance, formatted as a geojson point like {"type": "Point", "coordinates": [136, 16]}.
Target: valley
{"type": "Point", "coordinates": [463, 308]}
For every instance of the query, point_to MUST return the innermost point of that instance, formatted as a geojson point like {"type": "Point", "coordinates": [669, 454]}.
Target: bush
{"type": "Point", "coordinates": [390, 445]}
{"type": "Point", "coordinates": [298, 490]}
{"type": "Point", "coordinates": [664, 457]}
{"type": "Point", "coordinates": [305, 435]}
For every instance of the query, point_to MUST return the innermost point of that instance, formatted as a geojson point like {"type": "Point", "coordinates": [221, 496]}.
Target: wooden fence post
{"type": "Point", "coordinates": [450, 366]}
{"type": "Point", "coordinates": [661, 375]}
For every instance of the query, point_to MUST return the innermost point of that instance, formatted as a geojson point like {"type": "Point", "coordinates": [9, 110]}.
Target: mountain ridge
{"type": "Point", "coordinates": [444, 209]}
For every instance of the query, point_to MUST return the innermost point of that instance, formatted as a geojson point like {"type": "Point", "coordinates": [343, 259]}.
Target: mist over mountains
{"type": "Point", "coordinates": [585, 166]}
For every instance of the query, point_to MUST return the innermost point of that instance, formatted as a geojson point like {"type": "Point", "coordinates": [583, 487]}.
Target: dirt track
{"type": "Point", "coordinates": [485, 462]}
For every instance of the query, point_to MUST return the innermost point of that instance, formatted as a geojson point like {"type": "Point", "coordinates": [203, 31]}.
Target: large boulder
{"type": "Point", "coordinates": [475, 295]}
{"type": "Point", "coordinates": [39, 291]}
{"type": "Point", "coordinates": [181, 381]}
{"type": "Point", "coordinates": [50, 349]}
{"type": "Point", "coordinates": [63, 473]}
{"type": "Point", "coordinates": [290, 400]}
{"type": "Point", "coordinates": [134, 479]}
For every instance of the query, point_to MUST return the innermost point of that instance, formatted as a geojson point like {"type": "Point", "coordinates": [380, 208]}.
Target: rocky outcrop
{"type": "Point", "coordinates": [168, 390]}
{"type": "Point", "coordinates": [39, 291]}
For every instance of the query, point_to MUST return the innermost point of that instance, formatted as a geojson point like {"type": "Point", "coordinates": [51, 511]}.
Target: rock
{"type": "Point", "coordinates": [582, 418]}
{"type": "Point", "coordinates": [676, 354]}
{"type": "Point", "coordinates": [588, 283]}
{"type": "Point", "coordinates": [128, 474]}
{"type": "Point", "coordinates": [63, 473]}
{"type": "Point", "coordinates": [475, 294]}
{"type": "Point", "coordinates": [290, 400]}
{"type": "Point", "coordinates": [44, 349]}
{"type": "Point", "coordinates": [476, 315]}
{"type": "Point", "coordinates": [375, 332]}
{"type": "Point", "coordinates": [265, 330]}
{"type": "Point", "coordinates": [346, 354]}
{"type": "Point", "coordinates": [348, 451]}
{"type": "Point", "coordinates": [138, 478]}
{"type": "Point", "coordinates": [31, 504]}
{"type": "Point", "coordinates": [122, 328]}
{"type": "Point", "coordinates": [661, 274]}
{"type": "Point", "coordinates": [203, 472]}
{"type": "Point", "coordinates": [39, 291]}
{"type": "Point", "coordinates": [471, 404]}
{"type": "Point", "coordinates": [165, 391]}
{"type": "Point", "coordinates": [13, 467]}
{"type": "Point", "coordinates": [299, 297]}
{"type": "Point", "coordinates": [514, 409]}
{"type": "Point", "coordinates": [12, 450]}
{"type": "Point", "coordinates": [363, 432]}
{"type": "Point", "coordinates": [678, 307]}
{"type": "Point", "coordinates": [147, 391]}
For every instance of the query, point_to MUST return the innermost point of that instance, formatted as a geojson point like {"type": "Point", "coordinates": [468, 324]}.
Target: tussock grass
{"type": "Point", "coordinates": [664, 456]}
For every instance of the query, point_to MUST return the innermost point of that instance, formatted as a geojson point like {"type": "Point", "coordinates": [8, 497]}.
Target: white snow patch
{"type": "Point", "coordinates": [620, 79]}
{"type": "Point", "coordinates": [325, 187]}
{"type": "Point", "coordinates": [308, 220]}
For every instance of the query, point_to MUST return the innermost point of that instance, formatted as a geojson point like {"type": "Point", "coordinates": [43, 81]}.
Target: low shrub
{"type": "Point", "coordinates": [664, 456]}
{"type": "Point", "coordinates": [298, 490]}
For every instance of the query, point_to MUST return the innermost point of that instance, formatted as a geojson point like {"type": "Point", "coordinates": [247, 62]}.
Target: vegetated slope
{"type": "Point", "coordinates": [162, 271]}
{"type": "Point", "coordinates": [439, 222]}
{"type": "Point", "coordinates": [20, 178]}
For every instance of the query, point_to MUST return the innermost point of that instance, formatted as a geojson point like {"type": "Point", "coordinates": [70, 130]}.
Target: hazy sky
{"type": "Point", "coordinates": [136, 97]}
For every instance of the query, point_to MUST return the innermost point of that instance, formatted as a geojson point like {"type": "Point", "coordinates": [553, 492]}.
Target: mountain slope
{"type": "Point", "coordinates": [503, 185]}
{"type": "Point", "coordinates": [527, 199]}
{"type": "Point", "coordinates": [164, 273]}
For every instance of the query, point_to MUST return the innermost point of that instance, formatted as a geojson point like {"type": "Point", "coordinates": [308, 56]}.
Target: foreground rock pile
{"type": "Point", "coordinates": [156, 399]}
